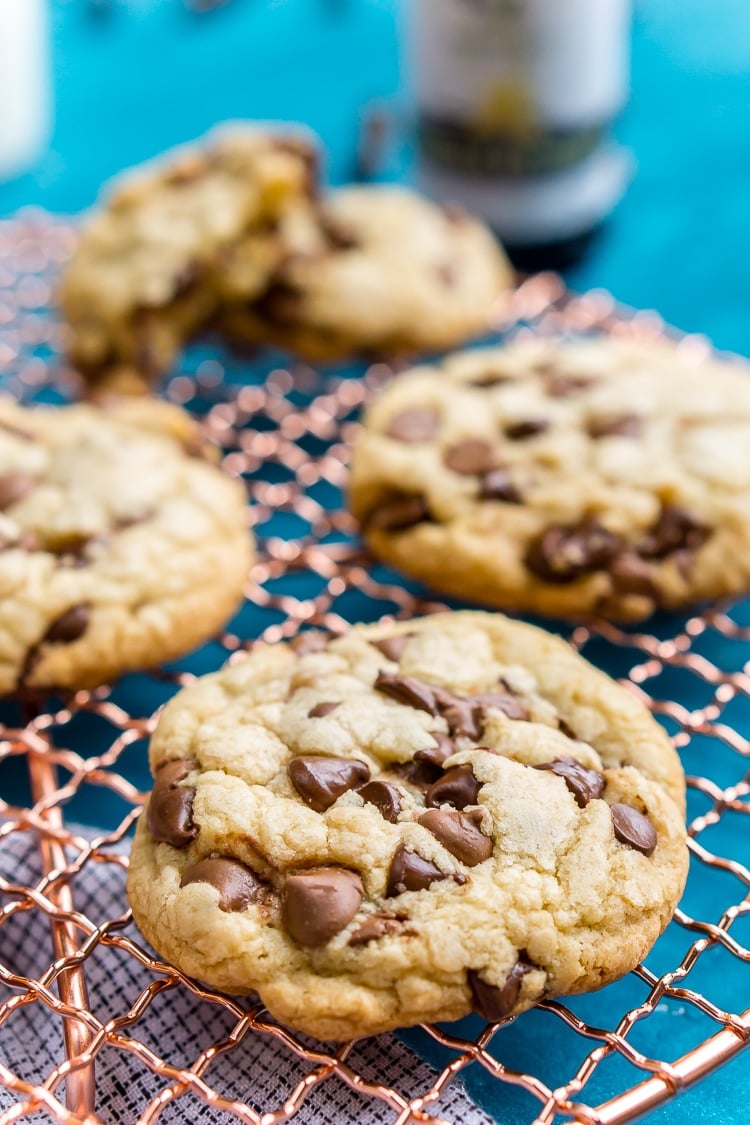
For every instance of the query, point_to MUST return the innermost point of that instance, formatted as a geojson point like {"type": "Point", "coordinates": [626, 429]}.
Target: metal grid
{"type": "Point", "coordinates": [286, 433]}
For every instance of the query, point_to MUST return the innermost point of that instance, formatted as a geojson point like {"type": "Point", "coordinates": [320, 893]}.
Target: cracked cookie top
{"type": "Point", "coordinates": [408, 822]}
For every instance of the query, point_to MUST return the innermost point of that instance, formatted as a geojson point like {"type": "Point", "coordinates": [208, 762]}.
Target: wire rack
{"type": "Point", "coordinates": [285, 430]}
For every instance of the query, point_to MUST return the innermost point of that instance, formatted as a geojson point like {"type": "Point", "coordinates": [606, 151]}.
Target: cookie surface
{"type": "Point", "coordinates": [119, 547]}
{"type": "Point", "coordinates": [380, 269]}
{"type": "Point", "coordinates": [408, 822]}
{"type": "Point", "coordinates": [606, 476]}
{"type": "Point", "coordinates": [148, 268]}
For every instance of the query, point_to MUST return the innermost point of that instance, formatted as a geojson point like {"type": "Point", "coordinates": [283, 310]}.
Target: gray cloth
{"type": "Point", "coordinates": [261, 1071]}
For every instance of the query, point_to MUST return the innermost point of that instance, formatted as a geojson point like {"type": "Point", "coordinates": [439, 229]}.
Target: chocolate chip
{"type": "Point", "coordinates": [674, 530]}
{"type": "Point", "coordinates": [414, 425]}
{"type": "Point", "coordinates": [585, 785]}
{"type": "Point", "coordinates": [504, 701]}
{"type": "Point", "coordinates": [69, 626]}
{"type": "Point", "coordinates": [470, 457]}
{"type": "Point", "coordinates": [393, 647]}
{"type": "Point", "coordinates": [497, 485]}
{"type": "Point", "coordinates": [519, 431]}
{"type": "Point", "coordinates": [411, 872]}
{"type": "Point", "coordinates": [495, 1003]}
{"type": "Point", "coordinates": [562, 386]}
{"type": "Point", "coordinates": [237, 885]}
{"type": "Point", "coordinates": [320, 710]}
{"type": "Point", "coordinates": [563, 554]}
{"type": "Point", "coordinates": [337, 234]}
{"type": "Point", "coordinates": [564, 726]}
{"type": "Point", "coordinates": [282, 303]}
{"type": "Point", "coordinates": [376, 926]}
{"type": "Point", "coordinates": [621, 425]}
{"type": "Point", "coordinates": [457, 787]}
{"type": "Point", "coordinates": [386, 799]}
{"type": "Point", "coordinates": [633, 828]}
{"type": "Point", "coordinates": [321, 781]}
{"type": "Point", "coordinates": [405, 689]}
{"type": "Point", "coordinates": [310, 641]}
{"type": "Point", "coordinates": [460, 833]}
{"type": "Point", "coordinates": [631, 574]}
{"type": "Point", "coordinates": [13, 487]}
{"type": "Point", "coordinates": [319, 903]}
{"type": "Point", "coordinates": [463, 716]}
{"type": "Point", "coordinates": [398, 513]}
{"type": "Point", "coordinates": [438, 754]}
{"type": "Point", "coordinates": [419, 774]}
{"type": "Point", "coordinates": [491, 379]}
{"type": "Point", "coordinates": [170, 809]}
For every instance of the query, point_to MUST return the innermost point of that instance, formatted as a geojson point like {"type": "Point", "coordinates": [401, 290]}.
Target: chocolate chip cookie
{"type": "Point", "coordinates": [120, 546]}
{"type": "Point", "coordinates": [406, 823]}
{"type": "Point", "coordinates": [565, 478]}
{"type": "Point", "coordinates": [378, 270]}
{"type": "Point", "coordinates": [149, 266]}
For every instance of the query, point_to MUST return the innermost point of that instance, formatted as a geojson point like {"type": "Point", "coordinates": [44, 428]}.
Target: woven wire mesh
{"type": "Point", "coordinates": [286, 431]}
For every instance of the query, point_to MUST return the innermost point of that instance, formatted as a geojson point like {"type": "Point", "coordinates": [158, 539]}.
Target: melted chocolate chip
{"type": "Point", "coordinates": [319, 903]}
{"type": "Point", "coordinates": [470, 458]}
{"type": "Point", "coordinates": [170, 809]}
{"type": "Point", "coordinates": [399, 513]}
{"type": "Point", "coordinates": [405, 689]}
{"type": "Point", "coordinates": [520, 431]}
{"type": "Point", "coordinates": [674, 530]}
{"type": "Point", "coordinates": [438, 754]}
{"type": "Point", "coordinates": [69, 626]}
{"type": "Point", "coordinates": [411, 872]}
{"type": "Point", "coordinates": [386, 799]}
{"type": "Point", "coordinates": [562, 386]}
{"type": "Point", "coordinates": [466, 715]}
{"type": "Point", "coordinates": [631, 574]}
{"type": "Point", "coordinates": [393, 647]}
{"type": "Point", "coordinates": [414, 425]}
{"type": "Point", "coordinates": [321, 781]}
{"type": "Point", "coordinates": [460, 833]}
{"type": "Point", "coordinates": [457, 787]}
{"type": "Point", "coordinates": [621, 425]}
{"type": "Point", "coordinates": [495, 1003]}
{"type": "Point", "coordinates": [497, 485]}
{"type": "Point", "coordinates": [320, 710]}
{"type": "Point", "coordinates": [633, 828]}
{"type": "Point", "coordinates": [376, 926]}
{"type": "Point", "coordinates": [420, 774]}
{"type": "Point", "coordinates": [585, 785]}
{"type": "Point", "coordinates": [504, 701]}
{"type": "Point", "coordinates": [563, 554]}
{"type": "Point", "coordinates": [13, 487]}
{"type": "Point", "coordinates": [310, 641]}
{"type": "Point", "coordinates": [237, 885]}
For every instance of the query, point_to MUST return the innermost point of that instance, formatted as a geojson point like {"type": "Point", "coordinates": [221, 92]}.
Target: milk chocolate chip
{"type": "Point", "coordinates": [519, 431]}
{"type": "Point", "coordinates": [170, 809]}
{"type": "Point", "coordinates": [563, 554]}
{"type": "Point", "coordinates": [494, 1002]}
{"type": "Point", "coordinates": [621, 425]}
{"type": "Point", "coordinates": [460, 833]}
{"type": "Point", "coordinates": [69, 626]}
{"type": "Point", "coordinates": [393, 647]}
{"type": "Point", "coordinates": [470, 458]}
{"type": "Point", "coordinates": [319, 903]}
{"type": "Point", "coordinates": [399, 513]}
{"type": "Point", "coordinates": [386, 799]}
{"type": "Point", "coordinates": [457, 787]}
{"type": "Point", "coordinates": [585, 785]}
{"type": "Point", "coordinates": [237, 885]}
{"type": "Point", "coordinates": [414, 425]}
{"type": "Point", "coordinates": [376, 926]}
{"type": "Point", "coordinates": [320, 781]}
{"type": "Point", "coordinates": [405, 689]}
{"type": "Point", "coordinates": [411, 872]}
{"type": "Point", "coordinates": [633, 828]}
{"type": "Point", "coordinates": [437, 754]}
{"type": "Point", "coordinates": [497, 485]}
{"type": "Point", "coordinates": [320, 710]}
{"type": "Point", "coordinates": [13, 487]}
{"type": "Point", "coordinates": [674, 530]}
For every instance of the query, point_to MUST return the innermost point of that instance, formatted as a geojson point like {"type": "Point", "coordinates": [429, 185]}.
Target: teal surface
{"type": "Point", "coordinates": [135, 79]}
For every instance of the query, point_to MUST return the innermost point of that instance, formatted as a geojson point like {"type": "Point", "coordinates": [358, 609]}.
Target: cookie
{"type": "Point", "coordinates": [120, 547]}
{"type": "Point", "coordinates": [380, 270]}
{"type": "Point", "coordinates": [406, 823]}
{"type": "Point", "coordinates": [601, 477]}
{"type": "Point", "coordinates": [148, 266]}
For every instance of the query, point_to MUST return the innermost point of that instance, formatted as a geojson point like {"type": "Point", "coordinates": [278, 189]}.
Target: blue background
{"type": "Point", "coordinates": [130, 80]}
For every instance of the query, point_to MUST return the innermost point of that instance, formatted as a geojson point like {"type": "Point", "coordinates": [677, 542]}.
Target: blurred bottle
{"type": "Point", "coordinates": [515, 99]}
{"type": "Point", "coordinates": [25, 111]}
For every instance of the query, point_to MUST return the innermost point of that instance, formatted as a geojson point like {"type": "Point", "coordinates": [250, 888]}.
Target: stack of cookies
{"type": "Point", "coordinates": [406, 822]}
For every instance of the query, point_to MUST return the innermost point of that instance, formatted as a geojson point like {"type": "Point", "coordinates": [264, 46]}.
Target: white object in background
{"type": "Point", "coordinates": [25, 95]}
{"type": "Point", "coordinates": [515, 99]}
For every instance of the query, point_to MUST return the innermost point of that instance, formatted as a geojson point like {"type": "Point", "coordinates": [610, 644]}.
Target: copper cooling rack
{"type": "Point", "coordinates": [285, 430]}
